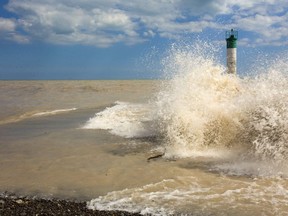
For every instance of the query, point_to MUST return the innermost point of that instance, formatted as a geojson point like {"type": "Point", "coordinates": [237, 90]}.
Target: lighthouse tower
{"type": "Point", "coordinates": [231, 39]}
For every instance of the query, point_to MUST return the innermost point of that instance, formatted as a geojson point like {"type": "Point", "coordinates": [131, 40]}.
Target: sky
{"type": "Point", "coordinates": [126, 39]}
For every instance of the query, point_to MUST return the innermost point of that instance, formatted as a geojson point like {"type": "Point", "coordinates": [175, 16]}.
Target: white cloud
{"type": "Point", "coordinates": [149, 33]}
{"type": "Point", "coordinates": [18, 38]}
{"type": "Point", "coordinates": [7, 25]}
{"type": "Point", "coordinates": [258, 23]}
{"type": "Point", "coordinates": [211, 7]}
{"type": "Point", "coordinates": [8, 31]}
{"type": "Point", "coordinates": [57, 22]}
{"type": "Point", "coordinates": [104, 23]}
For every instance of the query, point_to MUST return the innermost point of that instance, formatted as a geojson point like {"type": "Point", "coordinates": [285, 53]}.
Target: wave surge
{"type": "Point", "coordinates": [204, 108]}
{"type": "Point", "coordinates": [124, 119]}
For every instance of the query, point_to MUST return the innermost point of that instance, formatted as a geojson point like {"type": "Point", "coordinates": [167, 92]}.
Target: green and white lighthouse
{"type": "Point", "coordinates": [231, 39]}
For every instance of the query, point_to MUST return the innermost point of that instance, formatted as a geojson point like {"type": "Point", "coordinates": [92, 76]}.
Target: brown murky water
{"type": "Point", "coordinates": [53, 145]}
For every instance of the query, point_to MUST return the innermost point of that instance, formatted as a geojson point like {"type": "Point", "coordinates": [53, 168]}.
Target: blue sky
{"type": "Point", "coordinates": [119, 39]}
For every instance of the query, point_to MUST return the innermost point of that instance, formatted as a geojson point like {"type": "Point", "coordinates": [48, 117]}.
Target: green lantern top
{"type": "Point", "coordinates": [231, 38]}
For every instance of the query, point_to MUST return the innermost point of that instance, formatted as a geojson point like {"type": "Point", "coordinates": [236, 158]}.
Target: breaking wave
{"type": "Point", "coordinates": [191, 196]}
{"type": "Point", "coordinates": [201, 109]}
{"type": "Point", "coordinates": [125, 119]}
{"type": "Point", "coordinates": [236, 125]}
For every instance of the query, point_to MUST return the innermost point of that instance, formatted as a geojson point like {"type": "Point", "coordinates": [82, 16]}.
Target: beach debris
{"type": "Point", "coordinates": [155, 157]}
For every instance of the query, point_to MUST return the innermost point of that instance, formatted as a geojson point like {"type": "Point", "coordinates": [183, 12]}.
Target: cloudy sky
{"type": "Point", "coordinates": [114, 39]}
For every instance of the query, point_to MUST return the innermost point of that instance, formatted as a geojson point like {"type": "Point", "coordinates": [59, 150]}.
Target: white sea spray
{"type": "Point", "coordinates": [238, 124]}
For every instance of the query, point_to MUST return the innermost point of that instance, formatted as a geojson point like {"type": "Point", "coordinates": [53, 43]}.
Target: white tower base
{"type": "Point", "coordinates": [231, 60]}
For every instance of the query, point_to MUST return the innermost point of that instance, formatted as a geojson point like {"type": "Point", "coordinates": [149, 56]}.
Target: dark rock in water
{"type": "Point", "coordinates": [155, 157]}
{"type": "Point", "coordinates": [10, 206]}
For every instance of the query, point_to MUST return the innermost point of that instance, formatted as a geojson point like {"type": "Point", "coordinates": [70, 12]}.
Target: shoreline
{"type": "Point", "coordinates": [11, 204]}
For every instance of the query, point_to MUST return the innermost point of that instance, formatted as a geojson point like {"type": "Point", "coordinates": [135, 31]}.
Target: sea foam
{"type": "Point", "coordinates": [53, 112]}
{"type": "Point", "coordinates": [124, 119]}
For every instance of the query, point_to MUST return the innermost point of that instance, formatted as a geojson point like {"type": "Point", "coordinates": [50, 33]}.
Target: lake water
{"type": "Point", "coordinates": [223, 140]}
